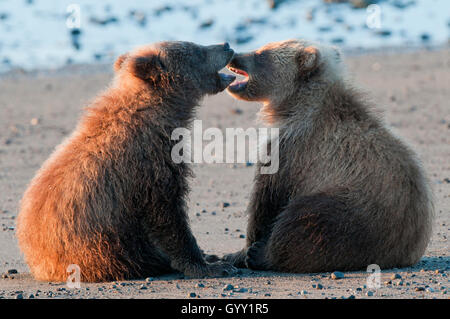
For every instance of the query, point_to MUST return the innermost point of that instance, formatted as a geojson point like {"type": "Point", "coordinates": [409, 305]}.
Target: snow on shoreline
{"type": "Point", "coordinates": [35, 34]}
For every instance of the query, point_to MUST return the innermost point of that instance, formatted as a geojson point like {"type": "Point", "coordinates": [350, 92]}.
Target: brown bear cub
{"type": "Point", "coordinates": [347, 193]}
{"type": "Point", "coordinates": [110, 199]}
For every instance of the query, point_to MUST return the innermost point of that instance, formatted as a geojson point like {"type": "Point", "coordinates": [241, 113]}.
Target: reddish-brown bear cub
{"type": "Point", "coordinates": [110, 199]}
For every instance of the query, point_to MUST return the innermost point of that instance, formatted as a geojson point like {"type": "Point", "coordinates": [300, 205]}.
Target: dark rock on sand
{"type": "Point", "coordinates": [75, 38]}
{"type": "Point", "coordinates": [274, 4]}
{"type": "Point", "coordinates": [206, 24]}
{"type": "Point", "coordinates": [383, 33]}
{"type": "Point", "coordinates": [243, 40]}
{"type": "Point", "coordinates": [162, 10]}
{"type": "Point", "coordinates": [139, 17]}
{"type": "Point", "coordinates": [103, 21]}
{"type": "Point", "coordinates": [337, 275]}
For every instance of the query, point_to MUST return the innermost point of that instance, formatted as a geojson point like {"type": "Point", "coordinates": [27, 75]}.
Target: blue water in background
{"type": "Point", "coordinates": [50, 34]}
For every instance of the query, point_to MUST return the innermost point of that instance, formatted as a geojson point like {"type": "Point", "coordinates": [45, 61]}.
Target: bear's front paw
{"type": "Point", "coordinates": [210, 258]}
{"type": "Point", "coordinates": [236, 259]}
{"type": "Point", "coordinates": [255, 258]}
{"type": "Point", "coordinates": [216, 269]}
{"type": "Point", "coordinates": [221, 269]}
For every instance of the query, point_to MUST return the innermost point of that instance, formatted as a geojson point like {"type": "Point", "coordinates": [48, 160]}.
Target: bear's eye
{"type": "Point", "coordinates": [261, 54]}
{"type": "Point", "coordinates": [261, 58]}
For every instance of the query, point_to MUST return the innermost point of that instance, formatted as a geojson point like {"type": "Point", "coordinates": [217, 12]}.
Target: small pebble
{"type": "Point", "coordinates": [396, 276]}
{"type": "Point", "coordinates": [241, 290]}
{"type": "Point", "coordinates": [337, 275]}
{"type": "Point", "coordinates": [369, 293]}
{"type": "Point", "coordinates": [12, 271]}
{"type": "Point", "coordinates": [192, 295]}
{"type": "Point", "coordinates": [228, 287]}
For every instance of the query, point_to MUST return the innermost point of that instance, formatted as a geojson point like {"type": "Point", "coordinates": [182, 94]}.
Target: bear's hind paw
{"type": "Point", "coordinates": [255, 258]}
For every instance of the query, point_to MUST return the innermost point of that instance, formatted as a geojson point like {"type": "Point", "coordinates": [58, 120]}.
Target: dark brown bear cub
{"type": "Point", "coordinates": [110, 199]}
{"type": "Point", "coordinates": [347, 193]}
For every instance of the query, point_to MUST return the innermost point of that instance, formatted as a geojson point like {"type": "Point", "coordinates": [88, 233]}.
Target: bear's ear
{"type": "Point", "coordinates": [308, 59]}
{"type": "Point", "coordinates": [119, 61]}
{"type": "Point", "coordinates": [146, 67]}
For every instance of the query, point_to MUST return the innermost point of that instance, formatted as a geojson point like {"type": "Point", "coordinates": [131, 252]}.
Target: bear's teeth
{"type": "Point", "coordinates": [238, 71]}
{"type": "Point", "coordinates": [239, 83]}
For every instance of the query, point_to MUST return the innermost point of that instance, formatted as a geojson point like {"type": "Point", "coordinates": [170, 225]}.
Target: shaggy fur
{"type": "Point", "coordinates": [348, 193]}
{"type": "Point", "coordinates": [110, 199]}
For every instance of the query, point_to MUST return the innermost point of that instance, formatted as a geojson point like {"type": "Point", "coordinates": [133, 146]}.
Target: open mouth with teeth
{"type": "Point", "coordinates": [238, 85]}
{"type": "Point", "coordinates": [226, 79]}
